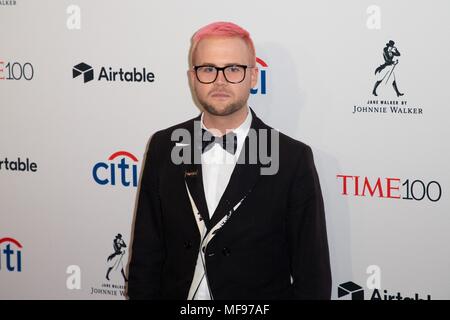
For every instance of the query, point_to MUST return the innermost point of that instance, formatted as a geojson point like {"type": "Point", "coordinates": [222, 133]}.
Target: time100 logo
{"type": "Point", "coordinates": [16, 71]}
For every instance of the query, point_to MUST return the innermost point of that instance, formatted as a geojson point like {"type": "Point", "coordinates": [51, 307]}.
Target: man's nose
{"type": "Point", "coordinates": [221, 78]}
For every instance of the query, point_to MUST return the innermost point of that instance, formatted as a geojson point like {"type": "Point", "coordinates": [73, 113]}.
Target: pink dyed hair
{"type": "Point", "coordinates": [221, 29]}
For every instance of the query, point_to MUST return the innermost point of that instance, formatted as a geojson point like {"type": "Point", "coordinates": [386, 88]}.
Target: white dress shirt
{"type": "Point", "coordinates": [217, 167]}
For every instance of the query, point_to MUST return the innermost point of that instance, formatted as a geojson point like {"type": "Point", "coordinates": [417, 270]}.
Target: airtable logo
{"type": "Point", "coordinates": [111, 74]}
{"type": "Point", "coordinates": [352, 291]}
{"type": "Point", "coordinates": [84, 69]}
{"type": "Point", "coordinates": [262, 78]}
{"type": "Point", "coordinates": [105, 173]}
{"type": "Point", "coordinates": [13, 257]}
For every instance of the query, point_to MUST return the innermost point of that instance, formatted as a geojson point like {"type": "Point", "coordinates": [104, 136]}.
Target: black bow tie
{"type": "Point", "coordinates": [228, 141]}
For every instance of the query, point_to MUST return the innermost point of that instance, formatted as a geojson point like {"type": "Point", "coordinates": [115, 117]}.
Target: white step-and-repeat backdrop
{"type": "Point", "coordinates": [84, 85]}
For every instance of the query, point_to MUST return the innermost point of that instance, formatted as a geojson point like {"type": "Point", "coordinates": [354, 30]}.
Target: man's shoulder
{"type": "Point", "coordinates": [293, 144]}
{"type": "Point", "coordinates": [287, 143]}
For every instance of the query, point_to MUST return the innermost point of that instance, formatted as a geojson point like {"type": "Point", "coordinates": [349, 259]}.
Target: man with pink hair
{"type": "Point", "coordinates": [228, 207]}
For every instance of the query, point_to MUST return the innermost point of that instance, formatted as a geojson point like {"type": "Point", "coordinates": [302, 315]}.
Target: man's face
{"type": "Point", "coordinates": [222, 98]}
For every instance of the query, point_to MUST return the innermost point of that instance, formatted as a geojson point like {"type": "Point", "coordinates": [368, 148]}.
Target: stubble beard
{"type": "Point", "coordinates": [229, 109]}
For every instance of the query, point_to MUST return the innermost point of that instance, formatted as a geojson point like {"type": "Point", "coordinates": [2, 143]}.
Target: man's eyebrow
{"type": "Point", "coordinates": [226, 65]}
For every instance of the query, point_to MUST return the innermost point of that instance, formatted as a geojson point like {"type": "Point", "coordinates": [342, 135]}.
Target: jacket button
{"type": "Point", "coordinates": [226, 252]}
{"type": "Point", "coordinates": [187, 245]}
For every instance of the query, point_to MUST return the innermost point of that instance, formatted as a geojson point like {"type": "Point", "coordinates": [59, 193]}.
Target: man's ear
{"type": "Point", "coordinates": [254, 76]}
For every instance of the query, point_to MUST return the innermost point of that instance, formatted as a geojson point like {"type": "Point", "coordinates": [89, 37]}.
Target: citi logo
{"type": "Point", "coordinates": [109, 74]}
{"type": "Point", "coordinates": [262, 78]}
{"type": "Point", "coordinates": [118, 170]}
{"type": "Point", "coordinates": [10, 255]}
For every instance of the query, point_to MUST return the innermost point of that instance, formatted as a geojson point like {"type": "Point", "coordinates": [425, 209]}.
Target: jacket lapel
{"type": "Point", "coordinates": [245, 175]}
{"type": "Point", "coordinates": [193, 174]}
{"type": "Point", "coordinates": [194, 181]}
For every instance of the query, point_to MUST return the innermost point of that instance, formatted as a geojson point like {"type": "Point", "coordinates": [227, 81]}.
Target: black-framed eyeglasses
{"type": "Point", "coordinates": [233, 73]}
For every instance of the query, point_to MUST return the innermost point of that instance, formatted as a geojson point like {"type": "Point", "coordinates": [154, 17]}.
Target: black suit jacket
{"type": "Point", "coordinates": [274, 246]}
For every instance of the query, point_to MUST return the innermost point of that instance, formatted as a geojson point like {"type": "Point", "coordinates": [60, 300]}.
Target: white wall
{"type": "Point", "coordinates": [321, 58]}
